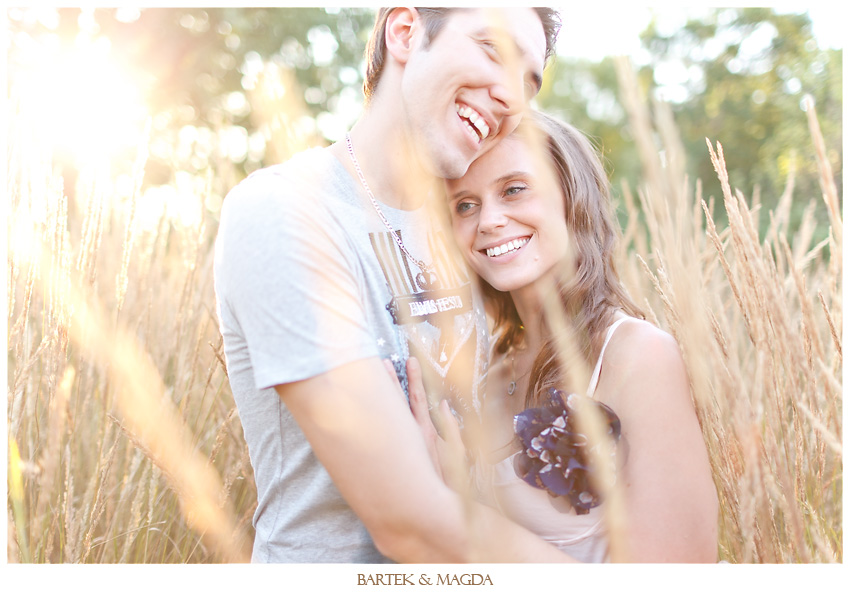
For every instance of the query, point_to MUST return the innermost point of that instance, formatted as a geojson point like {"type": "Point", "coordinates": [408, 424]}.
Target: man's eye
{"type": "Point", "coordinates": [492, 49]}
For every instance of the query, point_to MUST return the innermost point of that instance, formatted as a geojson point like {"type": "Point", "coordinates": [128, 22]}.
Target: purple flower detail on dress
{"type": "Point", "coordinates": [556, 456]}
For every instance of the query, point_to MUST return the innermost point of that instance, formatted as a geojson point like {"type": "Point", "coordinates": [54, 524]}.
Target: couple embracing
{"type": "Point", "coordinates": [404, 278]}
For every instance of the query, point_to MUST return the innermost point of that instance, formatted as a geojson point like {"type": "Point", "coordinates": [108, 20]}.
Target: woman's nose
{"type": "Point", "coordinates": [491, 217]}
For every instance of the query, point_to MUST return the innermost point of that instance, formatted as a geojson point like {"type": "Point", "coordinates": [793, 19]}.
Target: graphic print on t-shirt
{"type": "Point", "coordinates": [435, 311]}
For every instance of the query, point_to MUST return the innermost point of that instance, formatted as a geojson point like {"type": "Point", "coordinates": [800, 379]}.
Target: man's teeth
{"type": "Point", "coordinates": [481, 129]}
{"type": "Point", "coordinates": [507, 247]}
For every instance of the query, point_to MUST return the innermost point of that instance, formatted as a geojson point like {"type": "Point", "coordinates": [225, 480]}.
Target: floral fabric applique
{"type": "Point", "coordinates": [556, 456]}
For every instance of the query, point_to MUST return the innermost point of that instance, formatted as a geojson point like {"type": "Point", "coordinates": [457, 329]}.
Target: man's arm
{"type": "Point", "coordinates": [361, 429]}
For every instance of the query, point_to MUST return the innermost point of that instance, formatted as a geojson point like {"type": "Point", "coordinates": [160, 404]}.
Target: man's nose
{"type": "Point", "coordinates": [510, 91]}
{"type": "Point", "coordinates": [509, 97]}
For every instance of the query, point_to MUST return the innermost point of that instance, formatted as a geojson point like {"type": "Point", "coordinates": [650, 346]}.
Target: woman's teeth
{"type": "Point", "coordinates": [474, 119]}
{"type": "Point", "coordinates": [507, 247]}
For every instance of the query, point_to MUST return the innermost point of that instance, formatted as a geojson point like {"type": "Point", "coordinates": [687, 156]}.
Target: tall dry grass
{"type": "Point", "coordinates": [758, 318]}
{"type": "Point", "coordinates": [125, 445]}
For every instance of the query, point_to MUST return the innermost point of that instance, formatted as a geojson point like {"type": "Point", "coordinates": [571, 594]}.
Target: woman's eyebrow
{"type": "Point", "coordinates": [500, 180]}
{"type": "Point", "coordinates": [456, 195]}
{"type": "Point", "coordinates": [509, 175]}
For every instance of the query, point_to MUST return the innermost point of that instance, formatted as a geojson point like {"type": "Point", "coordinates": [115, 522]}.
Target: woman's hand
{"type": "Point", "coordinates": [446, 447]}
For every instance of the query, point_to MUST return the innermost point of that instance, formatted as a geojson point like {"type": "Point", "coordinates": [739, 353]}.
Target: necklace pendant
{"type": "Point", "coordinates": [427, 280]}
{"type": "Point", "coordinates": [511, 387]}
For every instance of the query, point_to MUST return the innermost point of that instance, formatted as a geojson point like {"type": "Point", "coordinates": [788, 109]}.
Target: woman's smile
{"type": "Point", "coordinates": [509, 247]}
{"type": "Point", "coordinates": [508, 215]}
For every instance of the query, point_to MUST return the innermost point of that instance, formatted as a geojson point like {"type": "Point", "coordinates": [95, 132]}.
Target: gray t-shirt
{"type": "Point", "coordinates": [308, 278]}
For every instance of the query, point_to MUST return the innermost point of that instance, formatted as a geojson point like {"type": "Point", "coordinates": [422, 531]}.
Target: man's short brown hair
{"type": "Point", "coordinates": [434, 19]}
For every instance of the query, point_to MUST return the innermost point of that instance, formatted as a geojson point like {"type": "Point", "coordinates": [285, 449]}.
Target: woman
{"type": "Point", "coordinates": [532, 218]}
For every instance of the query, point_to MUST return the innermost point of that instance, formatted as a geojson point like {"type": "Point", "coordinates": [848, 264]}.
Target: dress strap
{"type": "Point", "coordinates": [594, 379]}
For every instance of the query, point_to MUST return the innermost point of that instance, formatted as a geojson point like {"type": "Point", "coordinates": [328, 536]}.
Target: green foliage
{"type": "Point", "coordinates": [751, 98]}
{"type": "Point", "coordinates": [195, 64]}
{"type": "Point", "coordinates": [198, 56]}
{"type": "Point", "coordinates": [739, 76]}
{"type": "Point", "coordinates": [734, 75]}
{"type": "Point", "coordinates": [586, 94]}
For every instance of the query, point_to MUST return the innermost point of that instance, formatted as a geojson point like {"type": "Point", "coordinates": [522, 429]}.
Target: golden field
{"type": "Point", "coordinates": [124, 441]}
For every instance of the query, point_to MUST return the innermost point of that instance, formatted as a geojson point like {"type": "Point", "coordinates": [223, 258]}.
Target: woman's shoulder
{"type": "Point", "coordinates": [640, 343]}
{"type": "Point", "coordinates": [640, 354]}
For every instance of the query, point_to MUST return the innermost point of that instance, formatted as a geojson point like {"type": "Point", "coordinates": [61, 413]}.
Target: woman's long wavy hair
{"type": "Point", "coordinates": [590, 289]}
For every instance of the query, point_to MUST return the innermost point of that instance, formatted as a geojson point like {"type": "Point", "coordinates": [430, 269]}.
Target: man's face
{"type": "Point", "coordinates": [467, 89]}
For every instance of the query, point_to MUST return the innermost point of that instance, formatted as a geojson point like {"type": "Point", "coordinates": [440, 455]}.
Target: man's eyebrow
{"type": "Point", "coordinates": [500, 33]}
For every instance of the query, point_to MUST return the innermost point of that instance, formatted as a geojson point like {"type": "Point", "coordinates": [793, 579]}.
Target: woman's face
{"type": "Point", "coordinates": [508, 215]}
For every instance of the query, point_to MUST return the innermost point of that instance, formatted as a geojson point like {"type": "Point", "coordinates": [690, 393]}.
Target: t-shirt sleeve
{"type": "Point", "coordinates": [287, 283]}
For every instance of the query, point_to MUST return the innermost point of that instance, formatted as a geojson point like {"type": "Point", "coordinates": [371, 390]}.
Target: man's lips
{"type": "Point", "coordinates": [474, 121]}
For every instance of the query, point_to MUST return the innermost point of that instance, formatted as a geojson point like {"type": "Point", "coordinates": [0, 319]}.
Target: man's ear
{"type": "Point", "coordinates": [403, 27]}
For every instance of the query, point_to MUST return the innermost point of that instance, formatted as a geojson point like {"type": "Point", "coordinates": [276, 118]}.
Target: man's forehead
{"type": "Point", "coordinates": [522, 43]}
{"type": "Point", "coordinates": [521, 26]}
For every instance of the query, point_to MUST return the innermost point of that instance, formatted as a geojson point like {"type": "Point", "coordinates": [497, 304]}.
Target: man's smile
{"type": "Point", "coordinates": [474, 121]}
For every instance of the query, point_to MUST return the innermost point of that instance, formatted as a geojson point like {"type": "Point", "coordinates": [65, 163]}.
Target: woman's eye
{"type": "Point", "coordinates": [463, 207]}
{"type": "Point", "coordinates": [514, 190]}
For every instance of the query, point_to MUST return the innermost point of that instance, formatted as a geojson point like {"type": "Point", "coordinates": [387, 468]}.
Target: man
{"type": "Point", "coordinates": [327, 264]}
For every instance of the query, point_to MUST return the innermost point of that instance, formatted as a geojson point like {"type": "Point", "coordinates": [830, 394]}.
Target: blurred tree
{"type": "Point", "coordinates": [749, 71]}
{"type": "Point", "coordinates": [586, 94]}
{"type": "Point", "coordinates": [734, 75]}
{"type": "Point", "coordinates": [205, 60]}
{"type": "Point", "coordinates": [215, 81]}
{"type": "Point", "coordinates": [198, 66]}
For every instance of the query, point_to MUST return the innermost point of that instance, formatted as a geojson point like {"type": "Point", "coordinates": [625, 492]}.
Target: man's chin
{"type": "Point", "coordinates": [454, 169]}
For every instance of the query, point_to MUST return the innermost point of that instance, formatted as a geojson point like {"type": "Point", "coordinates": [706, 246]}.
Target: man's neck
{"type": "Point", "coordinates": [391, 167]}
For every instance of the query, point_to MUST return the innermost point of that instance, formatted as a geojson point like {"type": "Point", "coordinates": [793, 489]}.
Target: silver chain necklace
{"type": "Point", "coordinates": [428, 282]}
{"type": "Point", "coordinates": [514, 379]}
{"type": "Point", "coordinates": [513, 350]}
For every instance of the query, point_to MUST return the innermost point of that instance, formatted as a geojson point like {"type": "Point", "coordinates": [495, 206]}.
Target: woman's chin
{"type": "Point", "coordinates": [502, 285]}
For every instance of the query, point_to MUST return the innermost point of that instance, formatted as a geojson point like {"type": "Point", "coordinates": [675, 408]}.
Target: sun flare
{"type": "Point", "coordinates": [80, 100]}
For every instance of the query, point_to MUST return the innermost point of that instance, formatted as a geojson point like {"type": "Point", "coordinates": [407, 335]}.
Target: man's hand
{"type": "Point", "coordinates": [361, 429]}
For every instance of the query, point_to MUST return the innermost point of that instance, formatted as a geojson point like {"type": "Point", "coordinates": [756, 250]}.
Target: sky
{"type": "Point", "coordinates": [589, 31]}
